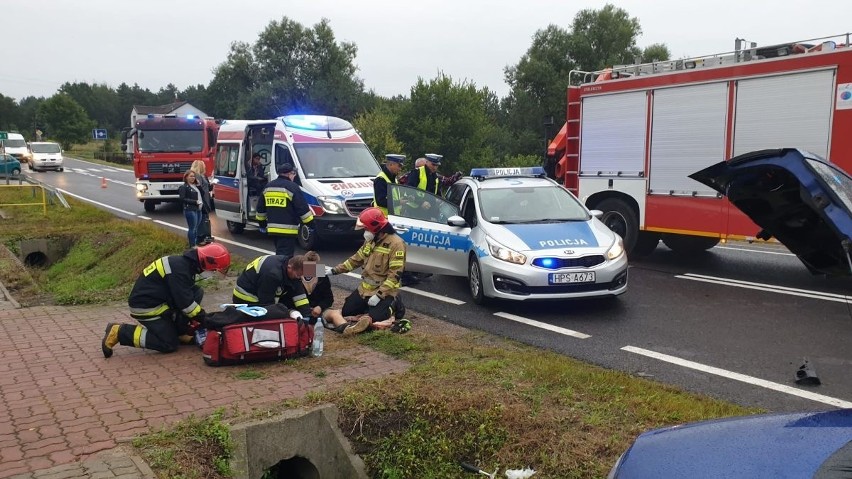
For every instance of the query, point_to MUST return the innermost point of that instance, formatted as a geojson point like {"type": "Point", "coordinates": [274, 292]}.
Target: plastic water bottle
{"type": "Point", "coordinates": [317, 344]}
{"type": "Point", "coordinates": [200, 336]}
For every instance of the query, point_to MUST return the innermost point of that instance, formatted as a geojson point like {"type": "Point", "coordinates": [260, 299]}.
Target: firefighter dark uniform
{"type": "Point", "coordinates": [165, 300]}
{"type": "Point", "coordinates": [384, 178]}
{"type": "Point", "coordinates": [282, 209]}
{"type": "Point", "coordinates": [265, 281]}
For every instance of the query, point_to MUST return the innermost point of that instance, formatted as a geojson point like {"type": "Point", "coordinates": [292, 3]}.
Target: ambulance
{"type": "Point", "coordinates": [335, 170]}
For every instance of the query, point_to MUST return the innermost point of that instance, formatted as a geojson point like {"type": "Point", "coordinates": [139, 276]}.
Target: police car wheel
{"type": "Point", "coordinates": [474, 280]}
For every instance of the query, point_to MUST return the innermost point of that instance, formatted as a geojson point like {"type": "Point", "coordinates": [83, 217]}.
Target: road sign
{"type": "Point", "coordinates": [99, 134]}
{"type": "Point", "coordinates": [4, 135]}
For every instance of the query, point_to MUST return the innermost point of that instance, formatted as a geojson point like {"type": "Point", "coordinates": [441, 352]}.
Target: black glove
{"type": "Point", "coordinates": [200, 318]}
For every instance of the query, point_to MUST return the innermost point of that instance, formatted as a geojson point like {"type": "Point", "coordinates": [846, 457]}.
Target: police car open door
{"type": "Point", "coordinates": [421, 220]}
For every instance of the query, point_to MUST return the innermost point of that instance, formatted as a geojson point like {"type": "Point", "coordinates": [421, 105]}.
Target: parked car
{"type": "Point", "coordinates": [9, 165]}
{"type": "Point", "coordinates": [514, 233]}
{"type": "Point", "coordinates": [46, 156]}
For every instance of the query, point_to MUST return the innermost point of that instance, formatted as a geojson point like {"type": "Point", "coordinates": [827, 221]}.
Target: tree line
{"type": "Point", "coordinates": [294, 69]}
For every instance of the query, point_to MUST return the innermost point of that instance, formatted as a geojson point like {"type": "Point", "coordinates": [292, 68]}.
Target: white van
{"type": "Point", "coordinates": [46, 156]}
{"type": "Point", "coordinates": [334, 167]}
{"type": "Point", "coordinates": [17, 147]}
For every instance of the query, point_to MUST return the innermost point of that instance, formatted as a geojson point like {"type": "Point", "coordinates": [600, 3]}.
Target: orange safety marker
{"type": "Point", "coordinates": [103, 182]}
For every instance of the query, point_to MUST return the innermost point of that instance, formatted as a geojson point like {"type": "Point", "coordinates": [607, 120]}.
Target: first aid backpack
{"type": "Point", "coordinates": [234, 337]}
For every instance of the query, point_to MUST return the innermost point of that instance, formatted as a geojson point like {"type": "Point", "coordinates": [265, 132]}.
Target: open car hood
{"type": "Point", "coordinates": [795, 196]}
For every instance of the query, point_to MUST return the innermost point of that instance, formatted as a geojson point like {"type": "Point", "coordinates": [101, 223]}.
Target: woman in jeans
{"type": "Point", "coordinates": [204, 233]}
{"type": "Point", "coordinates": [191, 199]}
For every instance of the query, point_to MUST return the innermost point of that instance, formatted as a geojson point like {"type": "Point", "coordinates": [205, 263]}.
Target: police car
{"type": "Point", "coordinates": [514, 233]}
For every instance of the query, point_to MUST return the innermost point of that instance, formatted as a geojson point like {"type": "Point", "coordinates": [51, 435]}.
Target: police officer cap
{"type": "Point", "coordinates": [286, 168]}
{"type": "Point", "coordinates": [432, 157]}
{"type": "Point", "coordinates": [395, 158]}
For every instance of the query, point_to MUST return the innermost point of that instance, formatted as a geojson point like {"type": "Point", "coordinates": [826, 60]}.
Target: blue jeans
{"type": "Point", "coordinates": [193, 218]}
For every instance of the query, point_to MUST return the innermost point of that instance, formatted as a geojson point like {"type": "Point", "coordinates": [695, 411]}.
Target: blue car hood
{"type": "Point", "coordinates": [795, 196]}
{"type": "Point", "coordinates": [802, 445]}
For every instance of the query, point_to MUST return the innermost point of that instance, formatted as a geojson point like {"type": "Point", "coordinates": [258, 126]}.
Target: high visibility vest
{"type": "Point", "coordinates": [384, 176]}
{"type": "Point", "coordinates": [424, 181]}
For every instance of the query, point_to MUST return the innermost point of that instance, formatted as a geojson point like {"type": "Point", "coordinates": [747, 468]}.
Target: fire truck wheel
{"type": "Point", "coordinates": [686, 244]}
{"type": "Point", "coordinates": [235, 228]}
{"type": "Point", "coordinates": [646, 243]}
{"type": "Point", "coordinates": [474, 280]}
{"type": "Point", "coordinates": [150, 206]}
{"type": "Point", "coordinates": [622, 219]}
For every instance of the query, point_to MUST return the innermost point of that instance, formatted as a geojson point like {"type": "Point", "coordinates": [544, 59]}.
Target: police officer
{"type": "Point", "coordinates": [270, 279]}
{"type": "Point", "coordinates": [281, 209]}
{"type": "Point", "coordinates": [166, 301]}
{"type": "Point", "coordinates": [426, 179]}
{"type": "Point", "coordinates": [393, 163]}
{"type": "Point", "coordinates": [382, 259]}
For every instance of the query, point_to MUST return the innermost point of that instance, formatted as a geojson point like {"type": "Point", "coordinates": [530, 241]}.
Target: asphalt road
{"type": "Point", "coordinates": [734, 323]}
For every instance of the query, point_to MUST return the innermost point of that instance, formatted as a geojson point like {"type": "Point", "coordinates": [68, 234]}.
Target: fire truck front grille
{"type": "Point", "coordinates": [158, 168]}
{"type": "Point", "coordinates": [355, 207]}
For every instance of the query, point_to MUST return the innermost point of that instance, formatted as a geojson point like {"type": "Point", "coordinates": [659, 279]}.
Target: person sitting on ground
{"type": "Point", "coordinates": [166, 301]}
{"type": "Point", "coordinates": [273, 279]}
{"type": "Point", "coordinates": [318, 289]}
{"type": "Point", "coordinates": [382, 257]}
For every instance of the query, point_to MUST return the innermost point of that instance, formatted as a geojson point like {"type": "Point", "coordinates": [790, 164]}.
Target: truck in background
{"type": "Point", "coordinates": [334, 167]}
{"type": "Point", "coordinates": [634, 133]}
{"type": "Point", "coordinates": [163, 149]}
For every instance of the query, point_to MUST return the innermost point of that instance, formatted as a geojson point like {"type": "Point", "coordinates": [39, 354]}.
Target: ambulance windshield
{"type": "Point", "coordinates": [336, 160]}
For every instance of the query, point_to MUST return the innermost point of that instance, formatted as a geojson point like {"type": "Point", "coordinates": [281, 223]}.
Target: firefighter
{"type": "Point", "coordinates": [166, 301]}
{"type": "Point", "coordinates": [382, 258]}
{"type": "Point", "coordinates": [273, 279]}
{"type": "Point", "coordinates": [391, 168]}
{"type": "Point", "coordinates": [282, 208]}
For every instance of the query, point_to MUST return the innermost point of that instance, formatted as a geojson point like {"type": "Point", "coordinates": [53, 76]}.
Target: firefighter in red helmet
{"type": "Point", "coordinates": [382, 259]}
{"type": "Point", "coordinates": [166, 301]}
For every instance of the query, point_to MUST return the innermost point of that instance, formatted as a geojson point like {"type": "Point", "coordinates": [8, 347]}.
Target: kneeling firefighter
{"type": "Point", "coordinates": [167, 302]}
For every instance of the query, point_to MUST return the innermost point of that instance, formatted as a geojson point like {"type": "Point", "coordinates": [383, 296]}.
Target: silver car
{"type": "Point", "coordinates": [514, 233]}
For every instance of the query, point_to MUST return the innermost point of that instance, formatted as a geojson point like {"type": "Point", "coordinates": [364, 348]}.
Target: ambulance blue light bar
{"type": "Point", "coordinates": [316, 122]}
{"type": "Point", "coordinates": [483, 173]}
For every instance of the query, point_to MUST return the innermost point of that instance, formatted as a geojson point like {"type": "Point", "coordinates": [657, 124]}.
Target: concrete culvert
{"type": "Point", "coordinates": [36, 259]}
{"type": "Point", "coordinates": [294, 468]}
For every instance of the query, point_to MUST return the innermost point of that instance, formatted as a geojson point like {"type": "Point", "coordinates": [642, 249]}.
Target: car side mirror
{"type": "Point", "coordinates": [457, 221]}
{"type": "Point", "coordinates": [596, 213]}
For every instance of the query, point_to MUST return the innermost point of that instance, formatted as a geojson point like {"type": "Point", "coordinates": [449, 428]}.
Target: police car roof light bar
{"type": "Point", "coordinates": [485, 173]}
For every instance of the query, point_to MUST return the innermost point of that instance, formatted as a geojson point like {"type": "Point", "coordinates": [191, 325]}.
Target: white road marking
{"type": "Point", "coordinates": [539, 324]}
{"type": "Point", "coordinates": [805, 293]}
{"type": "Point", "coordinates": [740, 377]}
{"type": "Point", "coordinates": [749, 250]}
{"type": "Point", "coordinates": [65, 192]}
{"type": "Point", "coordinates": [144, 217]}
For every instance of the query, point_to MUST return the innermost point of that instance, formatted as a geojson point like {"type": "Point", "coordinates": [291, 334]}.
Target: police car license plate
{"type": "Point", "coordinates": [563, 278]}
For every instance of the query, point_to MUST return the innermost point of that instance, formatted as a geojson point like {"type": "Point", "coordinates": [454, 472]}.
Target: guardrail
{"type": "Point", "coordinates": [49, 194]}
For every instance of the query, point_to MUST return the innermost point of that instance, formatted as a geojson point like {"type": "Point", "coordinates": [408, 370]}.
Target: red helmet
{"type": "Point", "coordinates": [372, 220]}
{"type": "Point", "coordinates": [214, 257]}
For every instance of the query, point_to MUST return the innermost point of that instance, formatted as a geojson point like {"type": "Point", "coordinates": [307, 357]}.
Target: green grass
{"type": "Point", "coordinates": [87, 152]}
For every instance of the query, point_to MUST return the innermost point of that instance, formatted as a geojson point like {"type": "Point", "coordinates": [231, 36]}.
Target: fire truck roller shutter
{"type": "Point", "coordinates": [790, 110]}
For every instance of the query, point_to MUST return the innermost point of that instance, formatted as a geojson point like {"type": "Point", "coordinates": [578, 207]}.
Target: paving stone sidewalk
{"type": "Point", "coordinates": [64, 409]}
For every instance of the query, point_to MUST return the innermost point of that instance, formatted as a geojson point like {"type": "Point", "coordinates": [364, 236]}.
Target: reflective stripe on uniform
{"type": "Point", "coordinates": [192, 310]}
{"type": "Point", "coordinates": [257, 263]}
{"type": "Point", "coordinates": [161, 266]}
{"type": "Point", "coordinates": [371, 282]}
{"type": "Point", "coordinates": [300, 300]}
{"type": "Point", "coordinates": [390, 283]}
{"type": "Point", "coordinates": [138, 340]}
{"type": "Point", "coordinates": [282, 229]}
{"type": "Point", "coordinates": [277, 197]}
{"type": "Point", "coordinates": [307, 217]}
{"type": "Point", "coordinates": [382, 249]}
{"type": "Point", "coordinates": [396, 262]}
{"type": "Point", "coordinates": [368, 286]}
{"type": "Point", "coordinates": [245, 295]}
{"type": "Point", "coordinates": [149, 312]}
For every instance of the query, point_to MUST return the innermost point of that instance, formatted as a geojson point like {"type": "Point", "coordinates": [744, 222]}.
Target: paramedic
{"type": "Point", "coordinates": [256, 175]}
{"type": "Point", "coordinates": [270, 279]}
{"type": "Point", "coordinates": [281, 209]}
{"type": "Point", "coordinates": [382, 258]}
{"type": "Point", "coordinates": [393, 163]}
{"type": "Point", "coordinates": [167, 302]}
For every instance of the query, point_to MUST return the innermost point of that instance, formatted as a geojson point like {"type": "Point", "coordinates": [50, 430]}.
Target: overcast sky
{"type": "Point", "coordinates": [156, 42]}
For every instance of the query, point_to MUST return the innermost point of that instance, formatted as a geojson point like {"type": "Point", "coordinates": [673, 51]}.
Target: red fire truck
{"type": "Point", "coordinates": [634, 133]}
{"type": "Point", "coordinates": [164, 147]}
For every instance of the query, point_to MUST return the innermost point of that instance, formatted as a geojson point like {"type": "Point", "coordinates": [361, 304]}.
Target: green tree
{"type": "Point", "coordinates": [656, 52]}
{"type": "Point", "coordinates": [29, 117]}
{"type": "Point", "coordinates": [66, 120]}
{"type": "Point", "coordinates": [603, 38]}
{"type": "Point", "coordinates": [100, 103]}
{"type": "Point", "coordinates": [450, 119]}
{"type": "Point", "coordinates": [376, 128]}
{"type": "Point", "coordinates": [9, 113]}
{"type": "Point", "coordinates": [290, 69]}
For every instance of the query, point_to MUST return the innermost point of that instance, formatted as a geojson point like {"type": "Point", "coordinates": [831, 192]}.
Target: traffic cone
{"type": "Point", "coordinates": [103, 182]}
